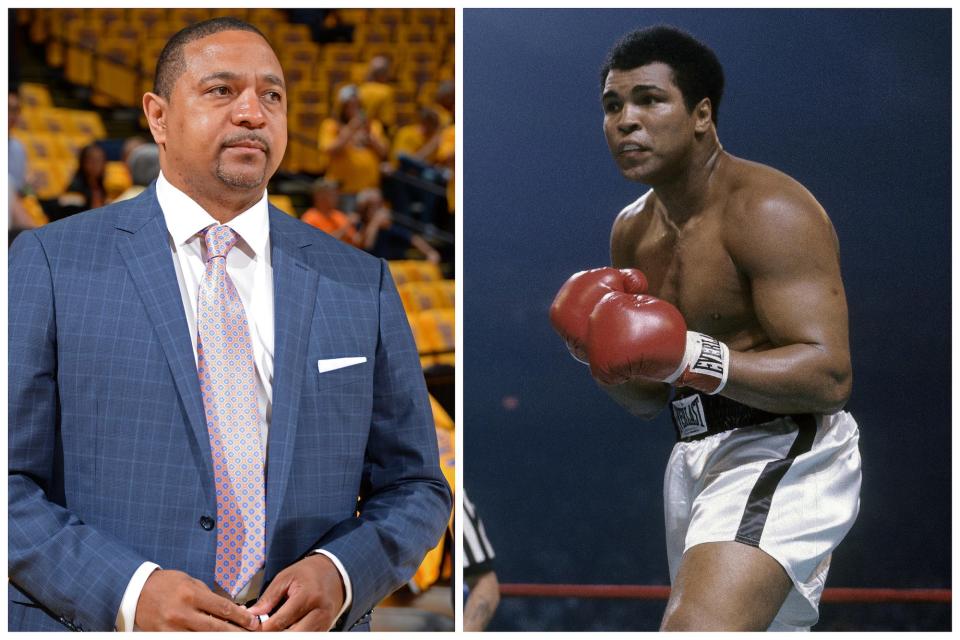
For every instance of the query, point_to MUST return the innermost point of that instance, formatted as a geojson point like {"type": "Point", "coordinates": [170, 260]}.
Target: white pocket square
{"type": "Point", "coordinates": [338, 363]}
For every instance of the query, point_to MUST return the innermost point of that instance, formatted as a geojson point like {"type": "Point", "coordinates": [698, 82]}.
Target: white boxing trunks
{"type": "Point", "coordinates": [790, 486]}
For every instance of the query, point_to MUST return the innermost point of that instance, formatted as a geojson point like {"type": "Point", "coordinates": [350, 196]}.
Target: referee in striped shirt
{"type": "Point", "coordinates": [481, 589]}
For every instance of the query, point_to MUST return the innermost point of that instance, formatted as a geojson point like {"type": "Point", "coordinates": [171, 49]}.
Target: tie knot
{"type": "Point", "coordinates": [219, 240]}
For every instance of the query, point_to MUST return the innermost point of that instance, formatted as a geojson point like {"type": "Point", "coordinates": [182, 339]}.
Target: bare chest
{"type": "Point", "coordinates": [690, 268]}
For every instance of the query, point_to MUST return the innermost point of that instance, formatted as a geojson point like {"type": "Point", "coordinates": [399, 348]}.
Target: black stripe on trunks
{"type": "Point", "coordinates": [758, 504]}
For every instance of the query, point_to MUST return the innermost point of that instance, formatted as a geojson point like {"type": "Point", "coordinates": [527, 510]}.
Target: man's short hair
{"type": "Point", "coordinates": [696, 70]}
{"type": "Point", "coordinates": [171, 63]}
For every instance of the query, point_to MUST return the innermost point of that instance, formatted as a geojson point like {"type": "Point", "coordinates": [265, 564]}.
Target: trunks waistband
{"type": "Point", "coordinates": [697, 416]}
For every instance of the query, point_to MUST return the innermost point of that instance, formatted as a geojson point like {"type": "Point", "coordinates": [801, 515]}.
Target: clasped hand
{"type": "Point", "coordinates": [311, 592]}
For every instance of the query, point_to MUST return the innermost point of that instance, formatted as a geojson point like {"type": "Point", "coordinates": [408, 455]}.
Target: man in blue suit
{"type": "Point", "coordinates": [119, 494]}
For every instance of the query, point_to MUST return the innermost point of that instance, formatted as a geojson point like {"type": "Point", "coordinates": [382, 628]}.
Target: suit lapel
{"type": "Point", "coordinates": [144, 246]}
{"type": "Point", "coordinates": [294, 287]}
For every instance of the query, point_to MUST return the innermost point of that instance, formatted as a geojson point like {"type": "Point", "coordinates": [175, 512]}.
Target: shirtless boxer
{"type": "Point", "coordinates": [725, 301]}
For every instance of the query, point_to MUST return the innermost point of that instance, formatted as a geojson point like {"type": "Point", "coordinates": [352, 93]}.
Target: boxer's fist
{"type": "Point", "coordinates": [571, 308]}
{"type": "Point", "coordinates": [642, 336]}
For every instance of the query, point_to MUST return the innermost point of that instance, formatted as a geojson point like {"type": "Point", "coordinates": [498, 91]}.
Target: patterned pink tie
{"type": "Point", "coordinates": [228, 386]}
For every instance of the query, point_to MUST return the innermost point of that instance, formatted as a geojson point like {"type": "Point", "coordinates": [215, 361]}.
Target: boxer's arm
{"type": "Point", "coordinates": [788, 250]}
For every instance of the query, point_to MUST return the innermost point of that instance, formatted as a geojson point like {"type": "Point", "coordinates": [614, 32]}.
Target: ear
{"type": "Point", "coordinates": [703, 113]}
{"type": "Point", "coordinates": [155, 109]}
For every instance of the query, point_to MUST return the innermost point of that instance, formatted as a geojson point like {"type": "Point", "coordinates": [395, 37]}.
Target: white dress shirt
{"type": "Point", "coordinates": [250, 269]}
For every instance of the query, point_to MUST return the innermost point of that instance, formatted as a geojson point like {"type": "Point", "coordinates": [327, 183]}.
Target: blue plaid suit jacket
{"type": "Point", "coordinates": [109, 459]}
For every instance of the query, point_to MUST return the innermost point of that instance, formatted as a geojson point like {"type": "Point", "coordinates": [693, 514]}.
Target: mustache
{"type": "Point", "coordinates": [249, 136]}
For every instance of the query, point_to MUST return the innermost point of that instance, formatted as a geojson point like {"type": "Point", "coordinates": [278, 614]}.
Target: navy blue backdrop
{"type": "Point", "coordinates": [853, 104]}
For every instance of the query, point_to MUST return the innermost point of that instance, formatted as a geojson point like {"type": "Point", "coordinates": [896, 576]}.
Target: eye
{"type": "Point", "coordinates": [220, 90]}
{"type": "Point", "coordinates": [274, 96]}
{"type": "Point", "coordinates": [611, 107]}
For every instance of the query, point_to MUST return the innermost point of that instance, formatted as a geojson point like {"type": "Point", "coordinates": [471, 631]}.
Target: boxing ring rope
{"type": "Point", "coordinates": [657, 592]}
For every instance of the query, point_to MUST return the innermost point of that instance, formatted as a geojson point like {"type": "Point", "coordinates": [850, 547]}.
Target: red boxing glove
{"type": "Point", "coordinates": [642, 336]}
{"type": "Point", "coordinates": [570, 311]}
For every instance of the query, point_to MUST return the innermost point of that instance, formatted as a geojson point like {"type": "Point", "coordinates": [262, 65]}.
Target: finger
{"type": "Point", "coordinates": [223, 609]}
{"type": "Point", "coordinates": [289, 614]}
{"type": "Point", "coordinates": [272, 595]}
{"type": "Point", "coordinates": [203, 621]}
{"type": "Point", "coordinates": [316, 620]}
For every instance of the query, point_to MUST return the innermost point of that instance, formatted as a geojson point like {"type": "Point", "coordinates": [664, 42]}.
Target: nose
{"type": "Point", "coordinates": [248, 112]}
{"type": "Point", "coordinates": [629, 119]}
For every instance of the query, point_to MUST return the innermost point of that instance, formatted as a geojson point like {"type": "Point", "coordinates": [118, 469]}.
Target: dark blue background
{"type": "Point", "coordinates": [853, 104]}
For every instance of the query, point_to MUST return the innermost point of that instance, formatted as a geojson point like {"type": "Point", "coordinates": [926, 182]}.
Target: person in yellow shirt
{"type": "Point", "coordinates": [355, 144]}
{"type": "Point", "coordinates": [420, 140]}
{"type": "Point", "coordinates": [376, 93]}
{"type": "Point", "coordinates": [424, 151]}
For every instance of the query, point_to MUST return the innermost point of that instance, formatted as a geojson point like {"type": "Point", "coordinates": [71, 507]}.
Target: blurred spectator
{"type": "Point", "coordinates": [420, 140]}
{"type": "Point", "coordinates": [143, 163]}
{"type": "Point", "coordinates": [415, 151]}
{"type": "Point", "coordinates": [325, 216]}
{"type": "Point", "coordinates": [446, 101]}
{"type": "Point", "coordinates": [381, 237]}
{"type": "Point", "coordinates": [19, 219]}
{"type": "Point", "coordinates": [129, 145]}
{"type": "Point", "coordinates": [117, 180]}
{"type": "Point", "coordinates": [376, 93]}
{"type": "Point", "coordinates": [356, 146]}
{"type": "Point", "coordinates": [86, 190]}
{"type": "Point", "coordinates": [16, 153]}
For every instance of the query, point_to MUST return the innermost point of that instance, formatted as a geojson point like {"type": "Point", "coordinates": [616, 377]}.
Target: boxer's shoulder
{"type": "Point", "coordinates": [765, 205]}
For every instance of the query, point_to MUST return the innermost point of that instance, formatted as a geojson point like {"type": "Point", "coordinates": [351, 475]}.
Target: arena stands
{"type": "Point", "coordinates": [95, 64]}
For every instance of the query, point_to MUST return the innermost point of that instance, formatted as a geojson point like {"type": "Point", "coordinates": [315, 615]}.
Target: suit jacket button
{"type": "Point", "coordinates": [207, 523]}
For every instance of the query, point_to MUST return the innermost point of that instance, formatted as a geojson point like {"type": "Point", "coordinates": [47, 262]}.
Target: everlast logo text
{"type": "Point", "coordinates": [710, 360]}
{"type": "Point", "coordinates": [688, 416]}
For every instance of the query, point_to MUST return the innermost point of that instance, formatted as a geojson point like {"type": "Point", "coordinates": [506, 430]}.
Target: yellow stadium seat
{"type": "Point", "coordinates": [300, 53]}
{"type": "Point", "coordinates": [339, 53]}
{"type": "Point", "coordinates": [296, 74]}
{"type": "Point", "coordinates": [240, 14]}
{"type": "Point", "coordinates": [284, 203]}
{"type": "Point", "coordinates": [116, 77]}
{"type": "Point", "coordinates": [286, 34]}
{"type": "Point", "coordinates": [39, 26]}
{"type": "Point", "coordinates": [147, 17]}
{"type": "Point", "coordinates": [438, 334]}
{"type": "Point", "coordinates": [134, 32]}
{"type": "Point", "coordinates": [423, 295]}
{"type": "Point", "coordinates": [116, 179]}
{"type": "Point", "coordinates": [367, 34]}
{"type": "Point", "coordinates": [431, 17]}
{"type": "Point", "coordinates": [44, 146]}
{"type": "Point", "coordinates": [308, 95]}
{"type": "Point", "coordinates": [82, 41]}
{"type": "Point", "coordinates": [33, 94]}
{"type": "Point", "coordinates": [184, 17]}
{"type": "Point", "coordinates": [39, 218]}
{"type": "Point", "coordinates": [421, 55]}
{"type": "Point", "coordinates": [414, 34]}
{"type": "Point", "coordinates": [87, 123]}
{"type": "Point", "coordinates": [414, 271]}
{"type": "Point", "coordinates": [389, 17]}
{"type": "Point", "coordinates": [50, 177]}
{"type": "Point", "coordinates": [162, 29]}
{"type": "Point", "coordinates": [107, 16]}
{"type": "Point", "coordinates": [354, 16]}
